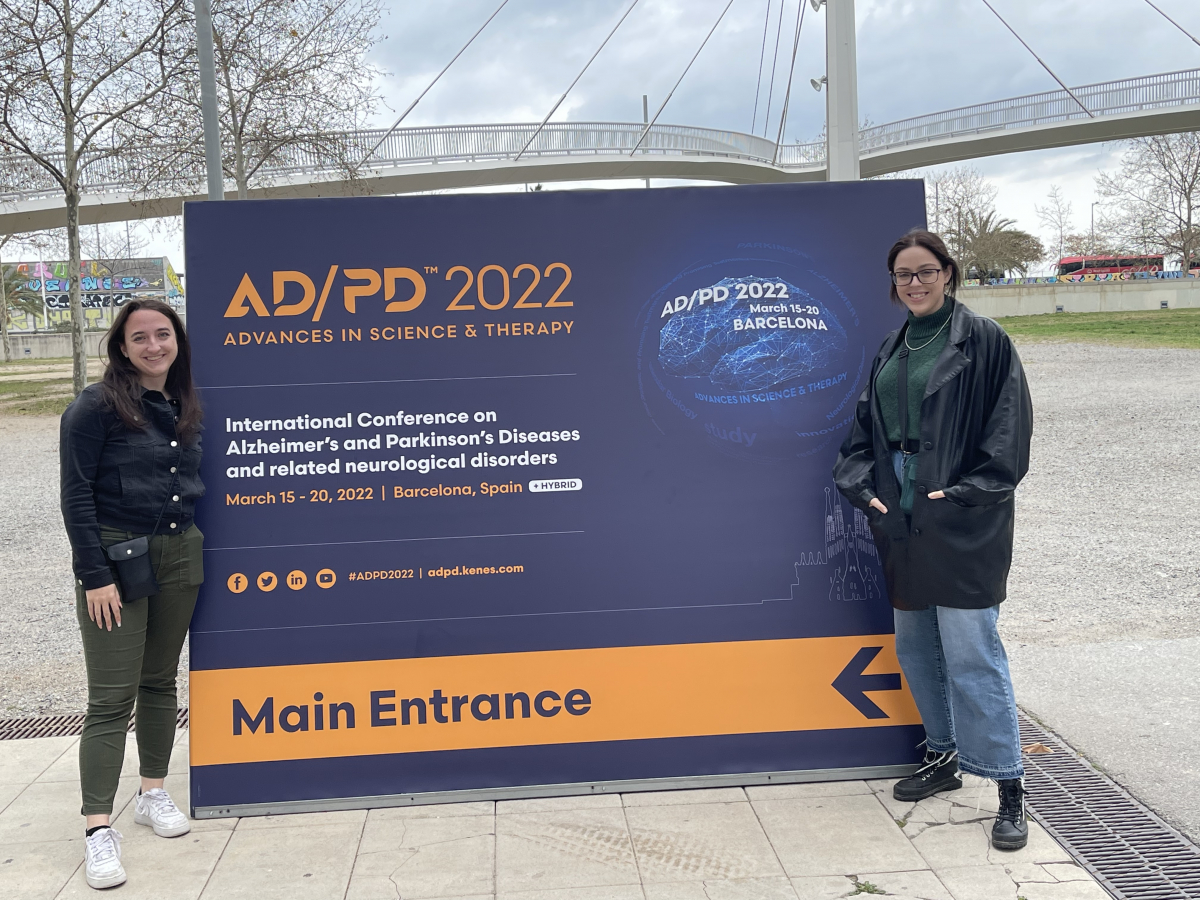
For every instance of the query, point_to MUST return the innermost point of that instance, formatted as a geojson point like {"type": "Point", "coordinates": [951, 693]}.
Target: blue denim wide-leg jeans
{"type": "Point", "coordinates": [957, 671]}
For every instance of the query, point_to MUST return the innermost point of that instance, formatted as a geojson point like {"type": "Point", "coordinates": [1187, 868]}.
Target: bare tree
{"type": "Point", "coordinates": [952, 198]}
{"type": "Point", "coordinates": [113, 251]}
{"type": "Point", "coordinates": [80, 87]}
{"type": "Point", "coordinates": [292, 79]}
{"type": "Point", "coordinates": [1056, 217]}
{"type": "Point", "coordinates": [1155, 195]}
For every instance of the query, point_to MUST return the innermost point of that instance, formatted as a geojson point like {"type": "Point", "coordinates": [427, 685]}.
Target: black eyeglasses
{"type": "Point", "coordinates": [925, 276]}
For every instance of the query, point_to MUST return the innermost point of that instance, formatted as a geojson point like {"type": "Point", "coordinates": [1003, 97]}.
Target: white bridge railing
{"type": "Point", "coordinates": [476, 143]}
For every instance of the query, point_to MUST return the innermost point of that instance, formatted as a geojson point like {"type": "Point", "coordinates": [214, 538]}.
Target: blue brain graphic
{"type": "Point", "coordinates": [702, 342]}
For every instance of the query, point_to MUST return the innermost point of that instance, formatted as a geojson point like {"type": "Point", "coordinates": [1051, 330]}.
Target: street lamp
{"type": "Point", "coordinates": [1092, 240]}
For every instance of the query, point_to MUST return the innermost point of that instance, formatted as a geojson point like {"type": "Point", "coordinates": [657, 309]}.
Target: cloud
{"type": "Point", "coordinates": [913, 58]}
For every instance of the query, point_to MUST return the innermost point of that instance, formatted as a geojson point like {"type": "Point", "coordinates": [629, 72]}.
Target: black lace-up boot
{"type": "Point", "coordinates": [1011, 831]}
{"type": "Point", "coordinates": [939, 772]}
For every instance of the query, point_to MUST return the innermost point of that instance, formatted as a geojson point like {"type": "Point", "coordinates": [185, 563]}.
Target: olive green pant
{"type": "Point", "coordinates": [137, 662]}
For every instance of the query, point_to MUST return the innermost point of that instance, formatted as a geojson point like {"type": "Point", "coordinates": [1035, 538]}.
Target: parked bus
{"type": "Point", "coordinates": [1104, 265]}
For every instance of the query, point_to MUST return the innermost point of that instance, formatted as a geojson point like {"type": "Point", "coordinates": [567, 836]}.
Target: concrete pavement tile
{"type": "Point", "coordinates": [750, 889]}
{"type": "Point", "coordinates": [962, 814]}
{"type": "Point", "coordinates": [913, 829]}
{"type": "Point", "coordinates": [952, 846]}
{"type": "Point", "coordinates": [1067, 872]}
{"type": "Point", "coordinates": [978, 883]}
{"type": "Point", "coordinates": [610, 892]}
{"type": "Point", "coordinates": [723, 889]}
{"type": "Point", "coordinates": [836, 836]}
{"type": "Point", "coordinates": [38, 870]}
{"type": "Point", "coordinates": [1041, 849]}
{"type": "Point", "coordinates": [448, 857]}
{"type": "Point", "coordinates": [908, 884]}
{"type": "Point", "coordinates": [931, 811]}
{"type": "Point", "coordinates": [160, 868]}
{"type": "Point", "coordinates": [1022, 873]}
{"type": "Point", "coordinates": [975, 793]}
{"type": "Point", "coordinates": [823, 887]}
{"type": "Point", "coordinates": [1065, 890]}
{"type": "Point", "coordinates": [567, 849]}
{"type": "Point", "coordinates": [700, 842]}
{"type": "Point", "coordinates": [49, 811]}
{"type": "Point", "coordinates": [882, 790]}
{"type": "Point", "coordinates": [298, 820]}
{"type": "Point", "coordinates": [679, 798]}
{"type": "Point", "coordinates": [677, 890]}
{"type": "Point", "coordinates": [436, 810]}
{"type": "Point", "coordinates": [554, 804]}
{"type": "Point", "coordinates": [21, 762]}
{"type": "Point", "coordinates": [66, 767]}
{"type": "Point", "coordinates": [800, 791]}
{"type": "Point", "coordinates": [8, 793]}
{"type": "Point", "coordinates": [286, 863]}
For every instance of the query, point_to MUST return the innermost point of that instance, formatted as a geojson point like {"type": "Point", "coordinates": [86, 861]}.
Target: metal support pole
{"type": "Point", "coordinates": [208, 101]}
{"type": "Point", "coordinates": [841, 96]}
{"type": "Point", "coordinates": [646, 118]}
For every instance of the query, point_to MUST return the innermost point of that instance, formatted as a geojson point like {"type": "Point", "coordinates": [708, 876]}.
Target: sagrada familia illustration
{"type": "Point", "coordinates": [845, 549]}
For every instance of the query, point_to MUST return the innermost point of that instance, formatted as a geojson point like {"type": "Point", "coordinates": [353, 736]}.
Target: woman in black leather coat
{"type": "Point", "coordinates": [939, 442]}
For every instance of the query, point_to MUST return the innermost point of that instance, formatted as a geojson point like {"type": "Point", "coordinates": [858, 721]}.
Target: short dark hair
{"type": "Point", "coordinates": [122, 384]}
{"type": "Point", "coordinates": [919, 237]}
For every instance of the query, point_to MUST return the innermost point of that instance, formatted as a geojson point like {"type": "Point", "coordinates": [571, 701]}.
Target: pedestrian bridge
{"type": "Point", "coordinates": [461, 156]}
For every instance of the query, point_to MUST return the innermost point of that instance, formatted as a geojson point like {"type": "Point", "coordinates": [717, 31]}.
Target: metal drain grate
{"type": "Point", "coordinates": [1133, 853]}
{"type": "Point", "coordinates": [60, 726]}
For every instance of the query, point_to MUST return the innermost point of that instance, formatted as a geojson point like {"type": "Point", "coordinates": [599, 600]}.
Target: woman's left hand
{"type": "Point", "coordinates": [937, 495]}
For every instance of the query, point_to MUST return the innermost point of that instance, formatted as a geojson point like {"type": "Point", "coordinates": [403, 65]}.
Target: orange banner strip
{"type": "Point", "coordinates": [549, 697]}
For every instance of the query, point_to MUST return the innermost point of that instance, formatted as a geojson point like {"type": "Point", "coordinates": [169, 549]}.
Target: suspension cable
{"type": "Point", "coordinates": [774, 63]}
{"type": "Point", "coordinates": [650, 124]}
{"type": "Point", "coordinates": [555, 107]}
{"type": "Point", "coordinates": [1061, 84]}
{"type": "Point", "coordinates": [791, 71]}
{"type": "Point", "coordinates": [1173, 22]}
{"type": "Point", "coordinates": [413, 105]}
{"type": "Point", "coordinates": [762, 54]}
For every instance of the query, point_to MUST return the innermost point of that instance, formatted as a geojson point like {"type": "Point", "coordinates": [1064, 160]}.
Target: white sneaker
{"type": "Point", "coordinates": [102, 859]}
{"type": "Point", "coordinates": [156, 809]}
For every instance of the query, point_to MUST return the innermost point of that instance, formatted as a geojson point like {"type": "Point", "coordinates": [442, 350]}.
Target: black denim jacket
{"type": "Point", "coordinates": [112, 475]}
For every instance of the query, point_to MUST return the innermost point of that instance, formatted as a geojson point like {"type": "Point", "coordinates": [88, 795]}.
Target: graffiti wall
{"type": "Point", "coordinates": [1081, 277]}
{"type": "Point", "coordinates": [106, 286]}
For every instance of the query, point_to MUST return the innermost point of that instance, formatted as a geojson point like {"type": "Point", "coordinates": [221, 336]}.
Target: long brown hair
{"type": "Point", "coordinates": [919, 237]}
{"type": "Point", "coordinates": [122, 381]}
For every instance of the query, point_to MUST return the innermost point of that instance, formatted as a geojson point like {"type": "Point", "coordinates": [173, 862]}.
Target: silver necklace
{"type": "Point", "coordinates": [928, 342]}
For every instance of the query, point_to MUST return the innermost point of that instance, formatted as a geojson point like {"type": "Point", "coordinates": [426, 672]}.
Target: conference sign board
{"type": "Point", "coordinates": [530, 493]}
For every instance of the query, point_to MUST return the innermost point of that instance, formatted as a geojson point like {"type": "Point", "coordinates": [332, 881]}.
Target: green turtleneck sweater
{"type": "Point", "coordinates": [924, 333]}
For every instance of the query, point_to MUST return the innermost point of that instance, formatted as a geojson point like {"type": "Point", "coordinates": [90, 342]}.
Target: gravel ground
{"type": "Point", "coordinates": [1102, 624]}
{"type": "Point", "coordinates": [41, 659]}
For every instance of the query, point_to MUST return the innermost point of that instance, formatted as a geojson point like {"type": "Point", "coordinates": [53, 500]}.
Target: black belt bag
{"type": "Point", "coordinates": [135, 574]}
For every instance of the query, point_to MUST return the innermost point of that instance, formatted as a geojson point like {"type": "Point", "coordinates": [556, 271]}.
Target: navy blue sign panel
{"type": "Point", "coordinates": [533, 436]}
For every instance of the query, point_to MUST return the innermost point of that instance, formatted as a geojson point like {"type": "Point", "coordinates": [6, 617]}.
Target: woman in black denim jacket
{"type": "Point", "coordinates": [129, 453]}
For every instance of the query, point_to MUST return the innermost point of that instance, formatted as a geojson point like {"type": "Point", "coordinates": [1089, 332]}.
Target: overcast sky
{"type": "Point", "coordinates": [913, 57]}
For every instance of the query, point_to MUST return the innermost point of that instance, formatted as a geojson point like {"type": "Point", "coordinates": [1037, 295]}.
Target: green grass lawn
{"type": "Point", "coordinates": [34, 398]}
{"type": "Point", "coordinates": [1141, 328]}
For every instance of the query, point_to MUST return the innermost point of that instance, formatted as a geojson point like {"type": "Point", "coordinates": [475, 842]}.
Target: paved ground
{"type": "Point", "coordinates": [1103, 622]}
{"type": "Point", "coordinates": [41, 659]}
{"type": "Point", "coordinates": [783, 842]}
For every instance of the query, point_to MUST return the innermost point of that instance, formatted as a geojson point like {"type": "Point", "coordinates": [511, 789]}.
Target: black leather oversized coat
{"type": "Point", "coordinates": [976, 423]}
